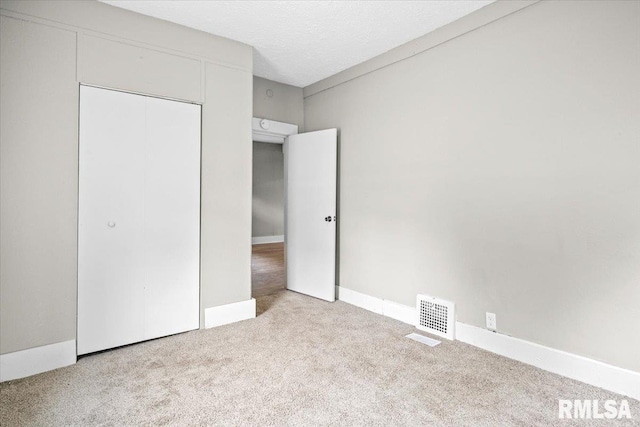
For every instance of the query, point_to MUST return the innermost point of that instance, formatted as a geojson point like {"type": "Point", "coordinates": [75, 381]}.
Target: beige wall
{"type": "Point", "coordinates": [47, 49]}
{"type": "Point", "coordinates": [500, 170]}
{"type": "Point", "coordinates": [284, 104]}
{"type": "Point", "coordinates": [226, 188]}
{"type": "Point", "coordinates": [268, 190]}
{"type": "Point", "coordinates": [39, 177]}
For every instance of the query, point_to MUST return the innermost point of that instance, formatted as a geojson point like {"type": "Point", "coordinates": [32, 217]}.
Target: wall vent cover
{"type": "Point", "coordinates": [436, 316]}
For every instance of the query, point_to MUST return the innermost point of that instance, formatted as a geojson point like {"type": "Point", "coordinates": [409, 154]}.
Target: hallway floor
{"type": "Point", "coordinates": [268, 273]}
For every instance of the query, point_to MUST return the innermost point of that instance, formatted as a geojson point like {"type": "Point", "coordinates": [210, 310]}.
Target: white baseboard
{"type": "Point", "coordinates": [385, 307]}
{"type": "Point", "coordinates": [266, 239]}
{"type": "Point", "coordinates": [359, 300]}
{"type": "Point", "coordinates": [593, 372]}
{"type": "Point", "coordinates": [599, 374]}
{"type": "Point", "coordinates": [229, 313]}
{"type": "Point", "coordinates": [25, 363]}
{"type": "Point", "coordinates": [399, 312]}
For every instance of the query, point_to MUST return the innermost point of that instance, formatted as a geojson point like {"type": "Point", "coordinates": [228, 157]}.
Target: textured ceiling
{"type": "Point", "coordinates": [302, 42]}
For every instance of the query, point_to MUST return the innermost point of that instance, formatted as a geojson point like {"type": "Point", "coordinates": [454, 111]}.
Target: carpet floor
{"type": "Point", "coordinates": [302, 361]}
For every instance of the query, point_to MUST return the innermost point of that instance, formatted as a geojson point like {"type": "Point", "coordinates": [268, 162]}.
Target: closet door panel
{"type": "Point", "coordinates": [172, 217]}
{"type": "Point", "coordinates": [110, 219]}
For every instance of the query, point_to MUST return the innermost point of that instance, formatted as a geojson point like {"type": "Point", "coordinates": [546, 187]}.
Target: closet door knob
{"type": "Point", "coordinates": [111, 224]}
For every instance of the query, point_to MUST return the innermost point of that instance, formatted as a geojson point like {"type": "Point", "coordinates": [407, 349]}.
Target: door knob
{"type": "Point", "coordinates": [328, 219]}
{"type": "Point", "coordinates": [111, 224]}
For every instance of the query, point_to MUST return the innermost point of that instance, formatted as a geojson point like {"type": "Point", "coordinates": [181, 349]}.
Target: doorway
{"type": "Point", "coordinates": [294, 193]}
{"type": "Point", "coordinates": [268, 267]}
{"type": "Point", "coordinates": [138, 225]}
{"type": "Point", "coordinates": [268, 272]}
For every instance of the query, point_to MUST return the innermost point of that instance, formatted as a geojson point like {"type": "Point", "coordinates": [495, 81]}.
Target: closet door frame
{"type": "Point", "coordinates": [196, 322]}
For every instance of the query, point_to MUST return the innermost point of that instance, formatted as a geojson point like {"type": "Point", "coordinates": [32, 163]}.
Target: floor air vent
{"type": "Point", "coordinates": [436, 316]}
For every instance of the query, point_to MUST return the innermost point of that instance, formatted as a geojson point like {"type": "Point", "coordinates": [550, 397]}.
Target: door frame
{"type": "Point", "coordinates": [274, 132]}
{"type": "Point", "coordinates": [271, 131]}
{"type": "Point", "coordinates": [148, 95]}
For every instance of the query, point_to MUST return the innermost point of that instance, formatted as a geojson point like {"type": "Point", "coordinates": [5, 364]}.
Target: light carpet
{"type": "Point", "coordinates": [302, 361]}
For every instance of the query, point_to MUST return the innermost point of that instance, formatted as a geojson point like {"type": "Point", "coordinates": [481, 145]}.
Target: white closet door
{"type": "Point", "coordinates": [172, 217]}
{"type": "Point", "coordinates": [139, 204]}
{"type": "Point", "coordinates": [110, 219]}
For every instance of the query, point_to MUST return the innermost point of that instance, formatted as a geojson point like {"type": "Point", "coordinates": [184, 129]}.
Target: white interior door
{"type": "Point", "coordinates": [311, 167]}
{"type": "Point", "coordinates": [138, 218]}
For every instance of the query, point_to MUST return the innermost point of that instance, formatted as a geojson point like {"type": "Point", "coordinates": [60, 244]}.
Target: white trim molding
{"type": "Point", "coordinates": [25, 363]}
{"type": "Point", "coordinates": [359, 300]}
{"type": "Point", "coordinates": [264, 130]}
{"type": "Point", "coordinates": [593, 372]}
{"type": "Point", "coordinates": [385, 307]}
{"type": "Point", "coordinates": [599, 374]}
{"type": "Point", "coordinates": [229, 313]}
{"type": "Point", "coordinates": [399, 312]}
{"type": "Point", "coordinates": [267, 239]}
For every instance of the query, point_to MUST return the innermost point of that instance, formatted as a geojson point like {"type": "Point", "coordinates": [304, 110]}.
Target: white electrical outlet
{"type": "Point", "coordinates": [491, 321]}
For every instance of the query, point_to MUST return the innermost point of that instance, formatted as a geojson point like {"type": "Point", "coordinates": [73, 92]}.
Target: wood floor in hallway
{"type": "Point", "coordinates": [268, 273]}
